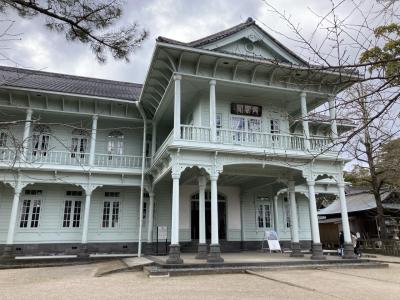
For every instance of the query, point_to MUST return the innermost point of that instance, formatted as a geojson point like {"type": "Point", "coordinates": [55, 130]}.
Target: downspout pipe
{"type": "Point", "coordinates": [141, 111]}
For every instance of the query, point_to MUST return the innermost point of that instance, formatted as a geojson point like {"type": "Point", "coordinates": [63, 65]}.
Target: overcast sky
{"type": "Point", "coordinates": [176, 19]}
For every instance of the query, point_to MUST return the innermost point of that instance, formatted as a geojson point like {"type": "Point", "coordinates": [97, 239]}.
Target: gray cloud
{"type": "Point", "coordinates": [178, 19]}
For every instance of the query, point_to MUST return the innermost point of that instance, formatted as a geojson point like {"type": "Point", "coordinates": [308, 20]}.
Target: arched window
{"type": "Point", "coordinates": [115, 144]}
{"type": "Point", "coordinates": [79, 142]}
{"type": "Point", "coordinates": [40, 140]}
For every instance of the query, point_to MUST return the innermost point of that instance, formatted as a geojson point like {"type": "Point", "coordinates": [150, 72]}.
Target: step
{"type": "Point", "coordinates": [156, 271]}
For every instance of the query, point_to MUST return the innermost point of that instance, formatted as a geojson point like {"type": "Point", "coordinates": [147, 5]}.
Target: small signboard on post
{"type": "Point", "coordinates": [273, 241]}
{"type": "Point", "coordinates": [162, 236]}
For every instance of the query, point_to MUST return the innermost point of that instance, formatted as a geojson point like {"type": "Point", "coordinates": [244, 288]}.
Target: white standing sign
{"type": "Point", "coordinates": [273, 241]}
{"type": "Point", "coordinates": [162, 233]}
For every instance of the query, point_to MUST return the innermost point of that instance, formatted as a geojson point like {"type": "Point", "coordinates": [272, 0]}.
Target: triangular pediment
{"type": "Point", "coordinates": [253, 42]}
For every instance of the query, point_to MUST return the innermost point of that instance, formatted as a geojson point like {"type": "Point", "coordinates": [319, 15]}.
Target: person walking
{"type": "Point", "coordinates": [341, 243]}
{"type": "Point", "coordinates": [354, 241]}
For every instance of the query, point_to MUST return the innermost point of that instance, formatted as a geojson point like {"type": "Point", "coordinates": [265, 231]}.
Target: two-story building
{"type": "Point", "coordinates": [204, 148]}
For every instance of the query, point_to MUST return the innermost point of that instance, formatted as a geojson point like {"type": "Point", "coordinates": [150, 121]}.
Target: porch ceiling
{"type": "Point", "coordinates": [247, 177]}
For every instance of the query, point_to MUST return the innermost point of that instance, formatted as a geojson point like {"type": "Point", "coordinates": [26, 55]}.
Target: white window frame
{"type": "Point", "coordinates": [3, 139]}
{"type": "Point", "coordinates": [113, 199]}
{"type": "Point", "coordinates": [286, 213]}
{"type": "Point", "coordinates": [245, 134]}
{"type": "Point", "coordinates": [74, 199]}
{"type": "Point", "coordinates": [263, 203]}
{"type": "Point", "coordinates": [79, 143]}
{"type": "Point", "coordinates": [41, 140]}
{"type": "Point", "coordinates": [32, 200]}
{"type": "Point", "coordinates": [115, 144]}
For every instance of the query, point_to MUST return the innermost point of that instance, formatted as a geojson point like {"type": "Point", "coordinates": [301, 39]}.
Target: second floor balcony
{"type": "Point", "coordinates": [255, 139]}
{"type": "Point", "coordinates": [50, 159]}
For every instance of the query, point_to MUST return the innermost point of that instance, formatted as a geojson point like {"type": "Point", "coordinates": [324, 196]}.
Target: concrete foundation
{"type": "Point", "coordinates": [296, 250]}
{"type": "Point", "coordinates": [174, 257]}
{"type": "Point", "coordinates": [317, 253]}
{"type": "Point", "coordinates": [202, 251]}
{"type": "Point", "coordinates": [348, 252]}
{"type": "Point", "coordinates": [215, 254]}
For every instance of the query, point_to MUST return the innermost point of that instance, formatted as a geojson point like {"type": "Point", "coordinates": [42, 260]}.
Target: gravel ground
{"type": "Point", "coordinates": [78, 282]}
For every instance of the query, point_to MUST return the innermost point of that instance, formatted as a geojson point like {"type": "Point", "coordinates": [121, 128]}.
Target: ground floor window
{"type": "Point", "coordinates": [263, 214]}
{"type": "Point", "coordinates": [72, 213]}
{"type": "Point", "coordinates": [30, 210]}
{"type": "Point", "coordinates": [111, 210]}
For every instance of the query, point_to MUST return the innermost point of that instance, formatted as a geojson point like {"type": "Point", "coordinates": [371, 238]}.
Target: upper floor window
{"type": "Point", "coordinates": [263, 214]}
{"type": "Point", "coordinates": [30, 209]}
{"type": "Point", "coordinates": [3, 139]}
{"type": "Point", "coordinates": [275, 126]}
{"type": "Point", "coordinates": [40, 140]}
{"type": "Point", "coordinates": [115, 144]}
{"type": "Point", "coordinates": [79, 142]}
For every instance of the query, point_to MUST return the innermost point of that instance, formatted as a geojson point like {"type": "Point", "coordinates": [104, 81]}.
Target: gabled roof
{"type": "Point", "coordinates": [226, 33]}
{"type": "Point", "coordinates": [361, 202]}
{"type": "Point", "coordinates": [69, 84]}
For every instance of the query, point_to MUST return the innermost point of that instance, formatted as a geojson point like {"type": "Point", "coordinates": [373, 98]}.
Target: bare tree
{"type": "Point", "coordinates": [352, 35]}
{"type": "Point", "coordinates": [87, 21]}
{"type": "Point", "coordinates": [367, 146]}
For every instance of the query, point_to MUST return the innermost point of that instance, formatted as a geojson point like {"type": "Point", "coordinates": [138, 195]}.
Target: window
{"type": "Point", "coordinates": [144, 210]}
{"type": "Point", "coordinates": [263, 215]}
{"type": "Point", "coordinates": [72, 213]}
{"type": "Point", "coordinates": [287, 217]}
{"type": "Point", "coordinates": [74, 193]}
{"type": "Point", "coordinates": [245, 128]}
{"type": "Point", "coordinates": [40, 140]}
{"type": "Point", "coordinates": [275, 126]}
{"type": "Point", "coordinates": [115, 144]}
{"type": "Point", "coordinates": [111, 210]}
{"type": "Point", "coordinates": [79, 142]}
{"type": "Point", "coordinates": [3, 139]}
{"type": "Point", "coordinates": [30, 210]}
{"type": "Point", "coordinates": [218, 122]}
{"type": "Point", "coordinates": [286, 212]}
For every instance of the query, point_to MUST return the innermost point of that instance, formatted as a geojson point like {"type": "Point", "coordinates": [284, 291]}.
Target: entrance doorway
{"type": "Point", "coordinates": [195, 217]}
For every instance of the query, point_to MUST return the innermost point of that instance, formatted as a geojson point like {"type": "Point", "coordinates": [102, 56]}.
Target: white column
{"type": "Point", "coordinates": [93, 140]}
{"type": "Point", "coordinates": [27, 131]}
{"type": "Point", "coordinates": [332, 113]}
{"type": "Point", "coordinates": [150, 218]}
{"type": "Point", "coordinates": [175, 210]}
{"type": "Point", "coordinates": [345, 217]}
{"type": "Point", "coordinates": [276, 213]}
{"type": "Point", "coordinates": [214, 210]}
{"type": "Point", "coordinates": [294, 224]}
{"type": "Point", "coordinates": [202, 210]}
{"type": "Point", "coordinates": [88, 196]}
{"type": "Point", "coordinates": [14, 213]}
{"type": "Point", "coordinates": [305, 122]}
{"type": "Point", "coordinates": [177, 107]}
{"type": "Point", "coordinates": [213, 120]}
{"type": "Point", "coordinates": [313, 212]}
{"type": "Point", "coordinates": [153, 139]}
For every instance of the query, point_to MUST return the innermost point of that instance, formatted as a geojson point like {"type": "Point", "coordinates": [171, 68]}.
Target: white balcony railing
{"type": "Point", "coordinates": [255, 139]}
{"type": "Point", "coordinates": [52, 157]}
{"type": "Point", "coordinates": [194, 133]}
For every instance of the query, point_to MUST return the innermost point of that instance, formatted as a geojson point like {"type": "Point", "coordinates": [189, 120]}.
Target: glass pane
{"type": "Point", "coordinates": [260, 219]}
{"type": "Point", "coordinates": [67, 213]}
{"type": "Point", "coordinates": [267, 215]}
{"type": "Point", "coordinates": [254, 125]}
{"type": "Point", "coordinates": [25, 213]}
{"type": "Point", "coordinates": [35, 213]}
{"type": "Point", "coordinates": [115, 214]}
{"type": "Point", "coordinates": [77, 214]}
{"type": "Point", "coordinates": [106, 214]}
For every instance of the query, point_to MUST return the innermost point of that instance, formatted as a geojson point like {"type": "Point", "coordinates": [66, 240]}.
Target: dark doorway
{"type": "Point", "coordinates": [221, 220]}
